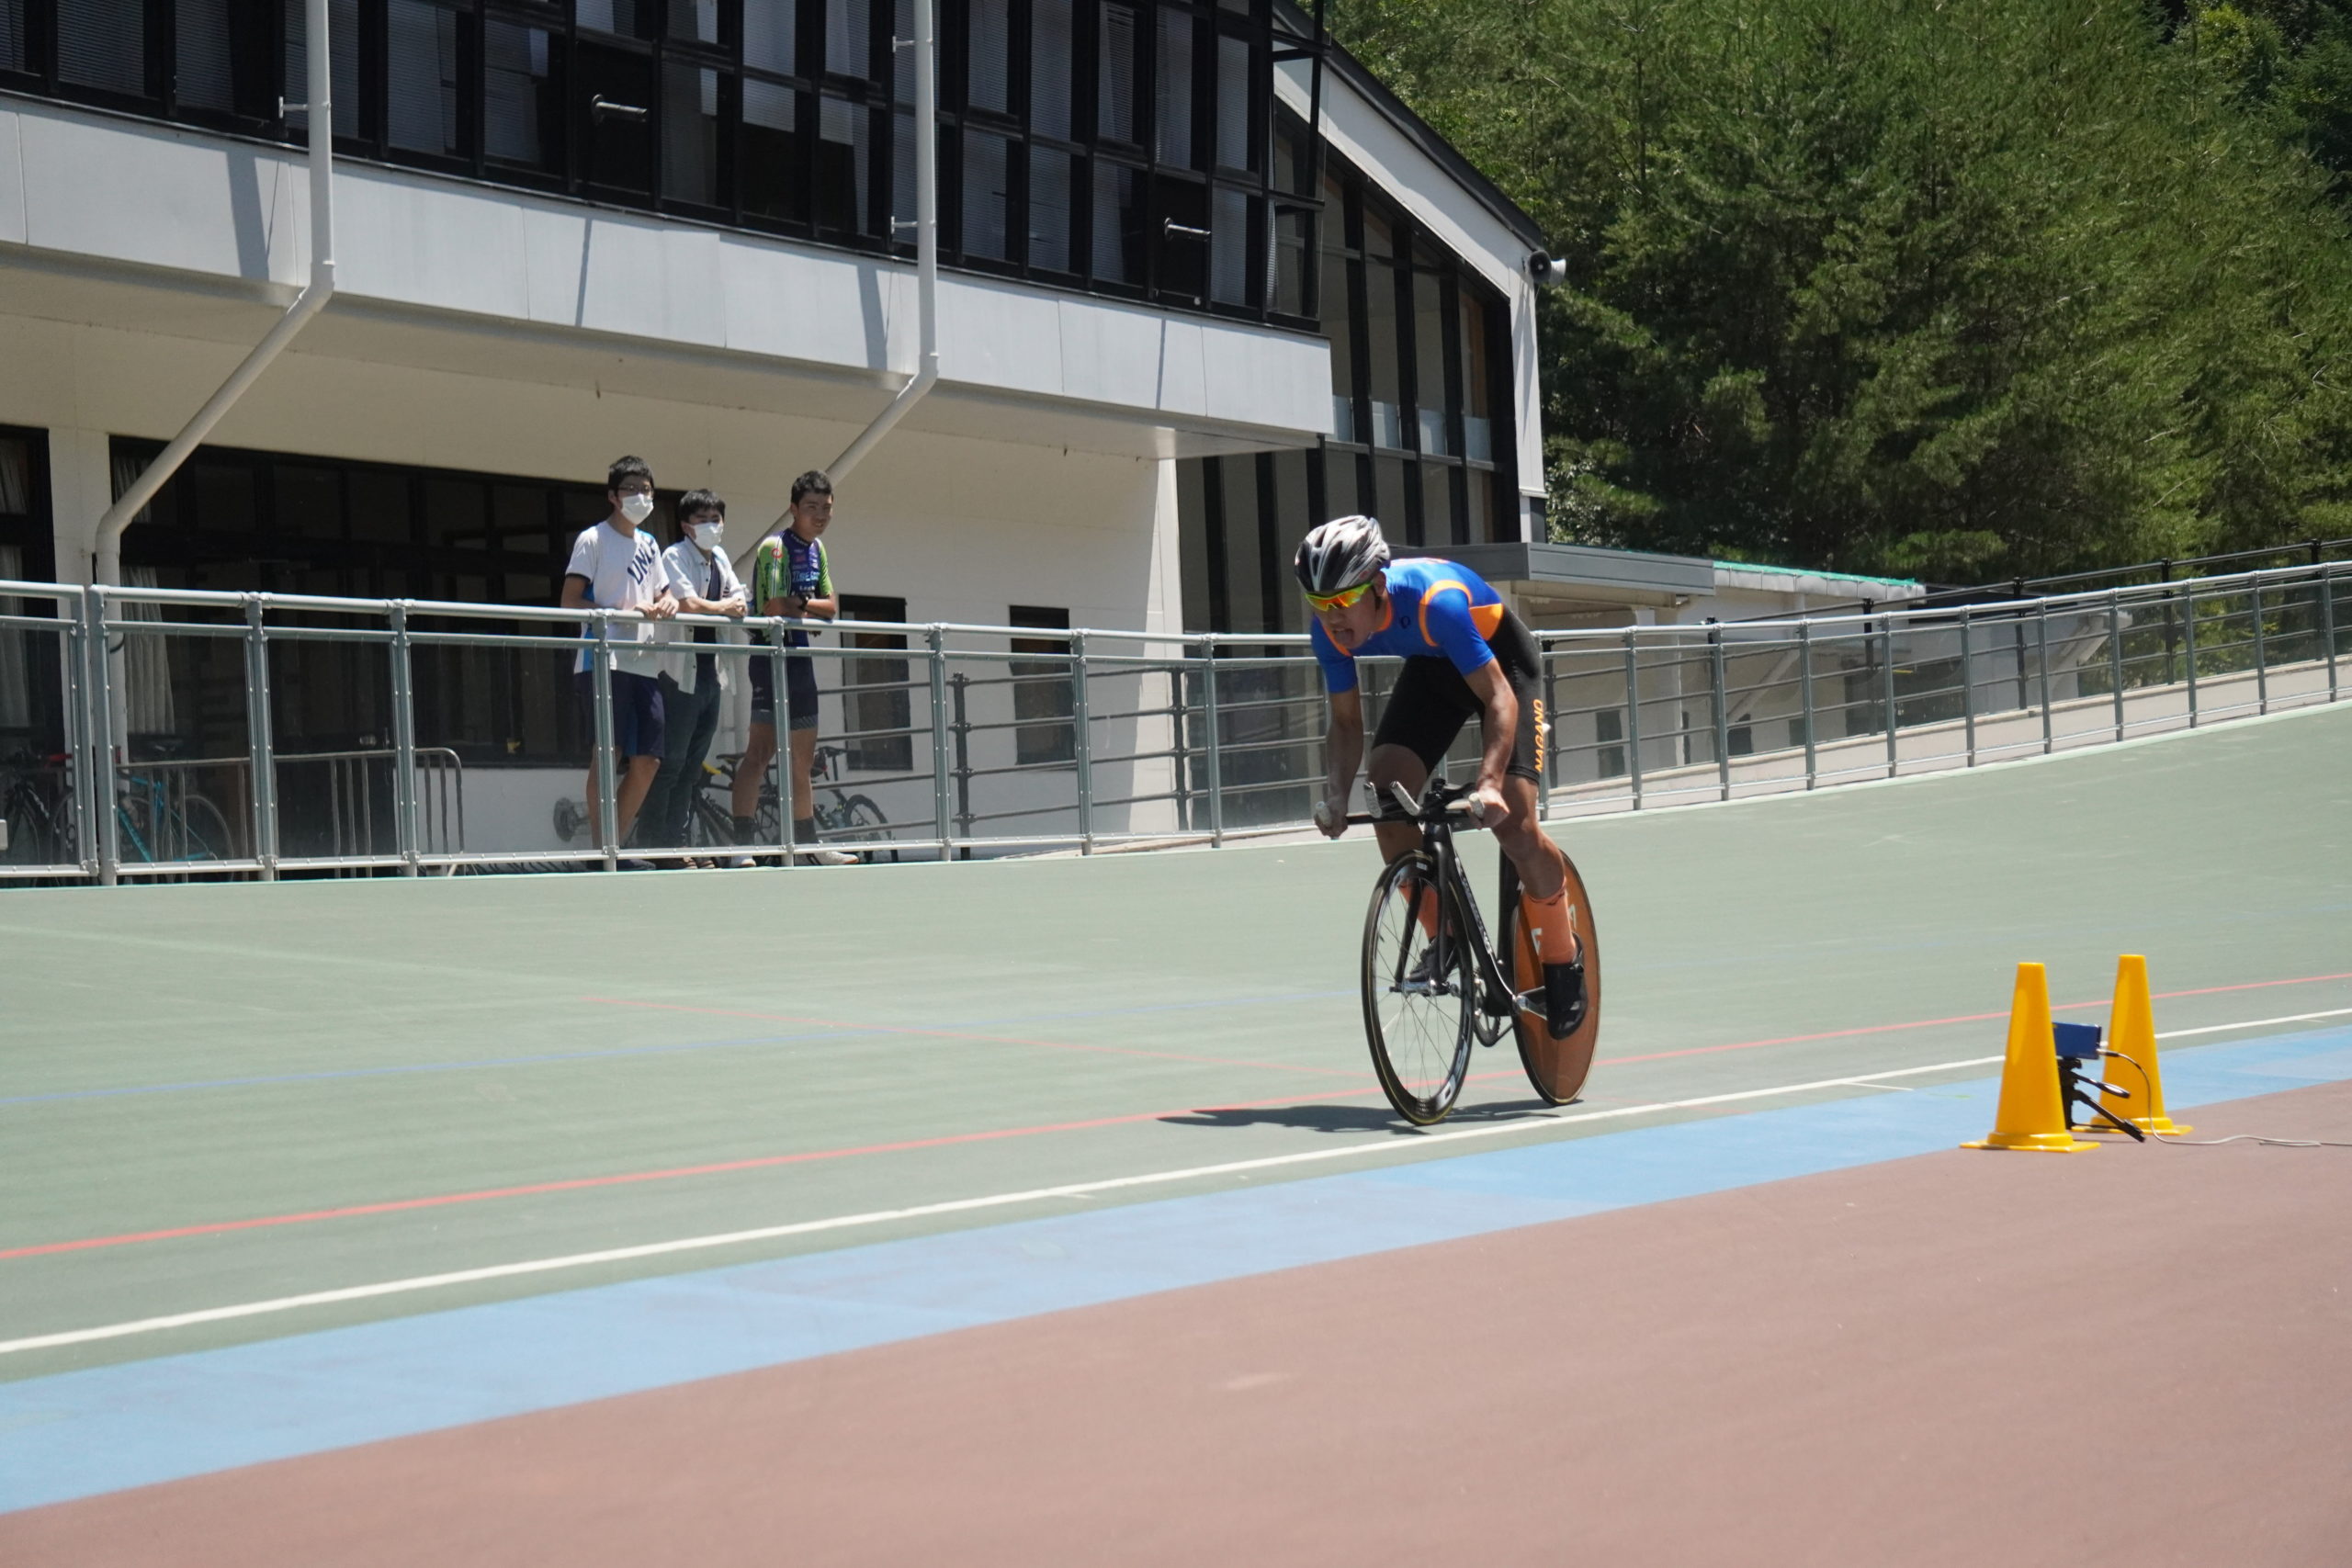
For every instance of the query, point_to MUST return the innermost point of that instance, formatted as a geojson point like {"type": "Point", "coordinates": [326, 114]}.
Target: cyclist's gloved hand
{"type": "Point", "coordinates": [1331, 817]}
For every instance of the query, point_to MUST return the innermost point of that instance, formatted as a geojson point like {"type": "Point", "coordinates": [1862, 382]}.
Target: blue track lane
{"type": "Point", "coordinates": [80, 1434]}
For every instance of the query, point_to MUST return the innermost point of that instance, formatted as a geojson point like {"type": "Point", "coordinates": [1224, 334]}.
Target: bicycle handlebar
{"type": "Point", "coordinates": [1436, 809]}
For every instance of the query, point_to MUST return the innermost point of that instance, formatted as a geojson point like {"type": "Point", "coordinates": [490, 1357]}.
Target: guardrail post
{"type": "Point", "coordinates": [1723, 708]}
{"type": "Point", "coordinates": [600, 659]}
{"type": "Point", "coordinates": [2328, 625]}
{"type": "Point", "coordinates": [936, 638]}
{"type": "Point", "coordinates": [98, 681]}
{"type": "Point", "coordinates": [1804, 699]}
{"type": "Point", "coordinates": [74, 663]}
{"type": "Point", "coordinates": [2042, 670]}
{"type": "Point", "coordinates": [2115, 655]}
{"type": "Point", "coordinates": [1216, 745]}
{"type": "Point", "coordinates": [2261, 653]}
{"type": "Point", "coordinates": [1968, 683]}
{"type": "Point", "coordinates": [1547, 730]}
{"type": "Point", "coordinates": [404, 798]}
{"type": "Point", "coordinates": [1083, 733]}
{"type": "Point", "coordinates": [263, 769]}
{"type": "Point", "coordinates": [2189, 650]}
{"type": "Point", "coordinates": [962, 728]}
{"type": "Point", "coordinates": [1633, 715]}
{"type": "Point", "coordinates": [1886, 688]}
{"type": "Point", "coordinates": [786, 806]}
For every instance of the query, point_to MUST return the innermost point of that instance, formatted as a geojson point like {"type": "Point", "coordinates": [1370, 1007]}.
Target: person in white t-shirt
{"type": "Point", "coordinates": [703, 581]}
{"type": "Point", "coordinates": [616, 565]}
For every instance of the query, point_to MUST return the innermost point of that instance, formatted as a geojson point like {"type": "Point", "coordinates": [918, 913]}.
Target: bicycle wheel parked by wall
{"type": "Point", "coordinates": [1419, 995]}
{"type": "Point", "coordinates": [862, 822]}
{"type": "Point", "coordinates": [1556, 1064]}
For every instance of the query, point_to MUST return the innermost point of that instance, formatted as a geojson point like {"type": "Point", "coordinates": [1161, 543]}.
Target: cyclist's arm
{"type": "Point", "coordinates": [1343, 749]}
{"type": "Point", "coordinates": [1499, 730]}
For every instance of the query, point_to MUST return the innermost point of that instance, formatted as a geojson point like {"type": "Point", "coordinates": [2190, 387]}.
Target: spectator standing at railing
{"type": "Point", "coordinates": [616, 565]}
{"type": "Point", "coordinates": [792, 574]}
{"type": "Point", "coordinates": [703, 581]}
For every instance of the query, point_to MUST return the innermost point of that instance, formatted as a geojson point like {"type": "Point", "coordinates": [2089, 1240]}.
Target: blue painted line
{"type": "Point", "coordinates": [80, 1434]}
{"type": "Point", "coordinates": [399, 1069]}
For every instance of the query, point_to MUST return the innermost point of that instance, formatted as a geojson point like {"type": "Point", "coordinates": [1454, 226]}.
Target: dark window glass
{"type": "Point", "coordinates": [1173, 106]}
{"type": "Point", "coordinates": [224, 56]}
{"type": "Point", "coordinates": [690, 134]}
{"type": "Point", "coordinates": [1049, 210]}
{"type": "Point", "coordinates": [985, 186]}
{"type": "Point", "coordinates": [770, 162]}
{"type": "Point", "coordinates": [1381, 349]}
{"type": "Point", "coordinates": [343, 24]}
{"type": "Point", "coordinates": [379, 509]}
{"type": "Point", "coordinates": [1439, 523]}
{"type": "Point", "coordinates": [1117, 62]}
{"type": "Point", "coordinates": [1244, 584]}
{"type": "Point", "coordinates": [849, 37]}
{"type": "Point", "coordinates": [1483, 523]}
{"type": "Point", "coordinates": [1433, 396]}
{"type": "Point", "coordinates": [616, 88]}
{"type": "Point", "coordinates": [624, 19]}
{"type": "Point", "coordinates": [1338, 319]}
{"type": "Point", "coordinates": [1049, 68]}
{"type": "Point", "coordinates": [771, 41]}
{"type": "Point", "coordinates": [988, 74]}
{"type": "Point", "coordinates": [522, 106]}
{"type": "Point", "coordinates": [876, 694]}
{"type": "Point", "coordinates": [103, 43]}
{"type": "Point", "coordinates": [309, 502]}
{"type": "Point", "coordinates": [12, 35]}
{"type": "Point", "coordinates": [695, 21]}
{"type": "Point", "coordinates": [1118, 224]}
{"type": "Point", "coordinates": [1235, 149]}
{"type": "Point", "coordinates": [1042, 689]}
{"type": "Point", "coordinates": [421, 77]}
{"type": "Point", "coordinates": [1287, 286]}
{"type": "Point", "coordinates": [1294, 515]}
{"type": "Point", "coordinates": [841, 162]}
{"type": "Point", "coordinates": [1388, 499]}
{"type": "Point", "coordinates": [1229, 213]}
{"type": "Point", "coordinates": [1477, 370]}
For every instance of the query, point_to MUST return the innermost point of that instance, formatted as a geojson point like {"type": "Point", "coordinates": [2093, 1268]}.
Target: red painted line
{"type": "Point", "coordinates": [576, 1184]}
{"type": "Point", "coordinates": [765, 1162]}
{"type": "Point", "coordinates": [965, 1034]}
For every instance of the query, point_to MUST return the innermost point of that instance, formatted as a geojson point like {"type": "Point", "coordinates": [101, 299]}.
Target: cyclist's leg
{"type": "Point", "coordinates": [800, 704]}
{"type": "Point", "coordinates": [1426, 710]}
{"type": "Point", "coordinates": [759, 748]}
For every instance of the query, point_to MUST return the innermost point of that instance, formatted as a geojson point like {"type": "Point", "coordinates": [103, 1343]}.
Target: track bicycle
{"type": "Point", "coordinates": [852, 816]}
{"type": "Point", "coordinates": [1426, 997]}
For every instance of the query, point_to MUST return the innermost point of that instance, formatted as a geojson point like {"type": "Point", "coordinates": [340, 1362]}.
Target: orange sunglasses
{"type": "Point", "coordinates": [1318, 602]}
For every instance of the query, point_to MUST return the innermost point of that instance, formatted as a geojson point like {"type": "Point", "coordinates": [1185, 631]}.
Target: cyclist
{"type": "Point", "coordinates": [1465, 654]}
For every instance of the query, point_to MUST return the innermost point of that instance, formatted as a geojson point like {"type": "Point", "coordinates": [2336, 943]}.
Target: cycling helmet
{"type": "Point", "coordinates": [1341, 554]}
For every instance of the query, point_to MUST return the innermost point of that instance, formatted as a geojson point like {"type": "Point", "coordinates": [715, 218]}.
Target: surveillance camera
{"type": "Point", "coordinates": [1546, 269]}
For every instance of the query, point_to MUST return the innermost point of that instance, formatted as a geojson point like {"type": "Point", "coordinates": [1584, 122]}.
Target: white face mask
{"type": "Point", "coordinates": [707, 534]}
{"type": "Point", "coordinates": [636, 508]}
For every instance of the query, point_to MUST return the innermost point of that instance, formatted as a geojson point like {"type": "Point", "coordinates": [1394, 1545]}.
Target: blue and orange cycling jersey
{"type": "Point", "coordinates": [1436, 610]}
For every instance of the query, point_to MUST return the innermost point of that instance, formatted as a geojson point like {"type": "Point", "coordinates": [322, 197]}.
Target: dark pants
{"type": "Point", "coordinates": [691, 718]}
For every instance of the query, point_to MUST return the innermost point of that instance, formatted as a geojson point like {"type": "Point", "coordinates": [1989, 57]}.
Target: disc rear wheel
{"type": "Point", "coordinates": [1556, 1064]}
{"type": "Point", "coordinates": [1419, 994]}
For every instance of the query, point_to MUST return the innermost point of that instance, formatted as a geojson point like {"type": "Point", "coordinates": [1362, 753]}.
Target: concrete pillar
{"type": "Point", "coordinates": [81, 487]}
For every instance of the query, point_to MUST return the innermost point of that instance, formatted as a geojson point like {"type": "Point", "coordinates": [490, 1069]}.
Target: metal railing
{"type": "Point", "coordinates": [974, 740]}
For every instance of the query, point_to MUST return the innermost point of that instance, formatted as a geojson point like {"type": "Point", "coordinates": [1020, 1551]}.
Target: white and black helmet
{"type": "Point", "coordinates": [1341, 554]}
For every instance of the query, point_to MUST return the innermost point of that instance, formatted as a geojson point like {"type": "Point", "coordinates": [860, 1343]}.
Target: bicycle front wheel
{"type": "Point", "coordinates": [1419, 992]}
{"type": "Point", "coordinates": [863, 822]}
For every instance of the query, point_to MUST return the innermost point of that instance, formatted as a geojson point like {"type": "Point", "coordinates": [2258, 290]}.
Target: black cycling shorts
{"type": "Point", "coordinates": [1432, 702]}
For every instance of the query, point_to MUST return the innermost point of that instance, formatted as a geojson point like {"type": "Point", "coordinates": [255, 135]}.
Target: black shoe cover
{"type": "Point", "coordinates": [1564, 1003]}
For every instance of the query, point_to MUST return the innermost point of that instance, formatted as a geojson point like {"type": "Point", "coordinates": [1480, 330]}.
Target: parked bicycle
{"type": "Point", "coordinates": [1434, 984]}
{"type": "Point", "coordinates": [839, 814]}
{"type": "Point", "coordinates": [36, 824]}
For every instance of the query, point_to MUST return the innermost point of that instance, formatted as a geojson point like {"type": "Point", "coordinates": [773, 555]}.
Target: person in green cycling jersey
{"type": "Point", "coordinates": [1464, 654]}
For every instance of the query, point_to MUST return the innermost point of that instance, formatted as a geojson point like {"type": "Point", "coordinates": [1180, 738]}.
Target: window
{"type": "Point", "coordinates": [1609, 729]}
{"type": "Point", "coordinates": [1417, 352]}
{"type": "Point", "coordinates": [877, 702]}
{"type": "Point", "coordinates": [1041, 689]}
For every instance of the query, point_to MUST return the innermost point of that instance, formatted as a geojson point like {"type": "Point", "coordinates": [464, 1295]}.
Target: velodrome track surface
{"type": "Point", "coordinates": [976, 1113]}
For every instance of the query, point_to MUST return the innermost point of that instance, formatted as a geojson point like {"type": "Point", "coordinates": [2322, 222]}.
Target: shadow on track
{"type": "Point", "coordinates": [1346, 1117]}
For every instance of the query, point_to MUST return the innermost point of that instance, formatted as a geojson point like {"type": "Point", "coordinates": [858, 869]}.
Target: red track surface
{"type": "Point", "coordinates": [2132, 1357]}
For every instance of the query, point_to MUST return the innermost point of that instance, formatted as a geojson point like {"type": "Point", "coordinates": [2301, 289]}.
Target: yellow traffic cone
{"type": "Point", "coordinates": [2032, 1114]}
{"type": "Point", "coordinates": [2132, 1031]}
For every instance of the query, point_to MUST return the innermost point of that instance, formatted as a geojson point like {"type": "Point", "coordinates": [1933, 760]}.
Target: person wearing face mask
{"type": "Point", "coordinates": [616, 565]}
{"type": "Point", "coordinates": [703, 581]}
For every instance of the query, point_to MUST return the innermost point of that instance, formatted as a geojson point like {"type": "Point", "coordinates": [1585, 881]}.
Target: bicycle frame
{"type": "Point", "coordinates": [1436, 818]}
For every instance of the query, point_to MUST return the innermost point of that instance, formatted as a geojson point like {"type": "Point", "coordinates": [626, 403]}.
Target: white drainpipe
{"type": "Point", "coordinates": [315, 294]}
{"type": "Point", "coordinates": [926, 251]}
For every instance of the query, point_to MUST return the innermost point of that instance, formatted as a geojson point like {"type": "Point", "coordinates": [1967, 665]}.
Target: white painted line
{"type": "Point", "coordinates": [1033, 1195]}
{"type": "Point", "coordinates": [926, 1211]}
{"type": "Point", "coordinates": [2256, 1023]}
